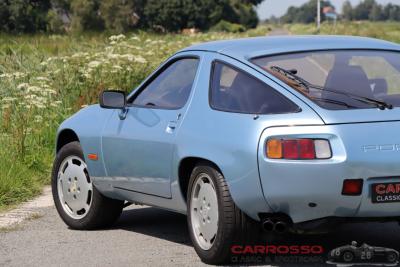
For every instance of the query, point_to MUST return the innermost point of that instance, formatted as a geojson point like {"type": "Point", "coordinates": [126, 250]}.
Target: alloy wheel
{"type": "Point", "coordinates": [204, 211]}
{"type": "Point", "coordinates": [74, 187]}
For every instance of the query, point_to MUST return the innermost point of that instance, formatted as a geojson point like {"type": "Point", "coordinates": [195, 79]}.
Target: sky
{"type": "Point", "coordinates": [279, 7]}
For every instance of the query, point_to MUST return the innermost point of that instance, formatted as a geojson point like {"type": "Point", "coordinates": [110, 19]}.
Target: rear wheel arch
{"type": "Point", "coordinates": [64, 137]}
{"type": "Point", "coordinates": [185, 169]}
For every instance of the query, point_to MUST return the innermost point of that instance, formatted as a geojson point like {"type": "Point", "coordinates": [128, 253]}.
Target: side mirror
{"type": "Point", "coordinates": [112, 99]}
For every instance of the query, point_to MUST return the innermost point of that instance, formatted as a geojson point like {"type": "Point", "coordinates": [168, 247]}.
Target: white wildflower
{"type": "Point", "coordinates": [9, 99]}
{"type": "Point", "coordinates": [50, 91]}
{"type": "Point", "coordinates": [40, 105]}
{"type": "Point", "coordinates": [128, 57]}
{"type": "Point", "coordinates": [117, 38]}
{"type": "Point", "coordinates": [113, 56]}
{"type": "Point", "coordinates": [34, 89]}
{"type": "Point", "coordinates": [22, 86]}
{"type": "Point", "coordinates": [140, 59]}
{"type": "Point", "coordinates": [94, 64]}
{"type": "Point", "coordinates": [42, 79]}
{"type": "Point", "coordinates": [18, 75]}
{"type": "Point", "coordinates": [38, 118]}
{"type": "Point", "coordinates": [87, 75]}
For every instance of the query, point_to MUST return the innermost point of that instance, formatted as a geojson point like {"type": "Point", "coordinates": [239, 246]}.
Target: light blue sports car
{"type": "Point", "coordinates": [280, 133]}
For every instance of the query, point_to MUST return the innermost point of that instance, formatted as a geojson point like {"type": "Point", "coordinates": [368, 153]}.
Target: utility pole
{"type": "Point", "coordinates": [318, 15]}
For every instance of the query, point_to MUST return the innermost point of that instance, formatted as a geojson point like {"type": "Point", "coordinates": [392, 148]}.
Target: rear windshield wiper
{"type": "Point", "coordinates": [291, 74]}
{"type": "Point", "coordinates": [333, 101]}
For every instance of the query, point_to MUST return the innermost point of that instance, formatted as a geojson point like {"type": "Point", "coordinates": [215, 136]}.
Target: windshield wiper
{"type": "Point", "coordinates": [291, 74]}
{"type": "Point", "coordinates": [333, 101]}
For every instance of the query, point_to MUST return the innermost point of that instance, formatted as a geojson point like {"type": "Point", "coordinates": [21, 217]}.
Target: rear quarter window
{"type": "Point", "coordinates": [233, 90]}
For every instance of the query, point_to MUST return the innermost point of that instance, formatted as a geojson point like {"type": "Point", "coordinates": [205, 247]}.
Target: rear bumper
{"type": "Point", "coordinates": [311, 190]}
{"type": "Point", "coordinates": [326, 224]}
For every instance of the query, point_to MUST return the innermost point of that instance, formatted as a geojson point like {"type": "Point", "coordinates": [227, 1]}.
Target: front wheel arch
{"type": "Point", "coordinates": [64, 137]}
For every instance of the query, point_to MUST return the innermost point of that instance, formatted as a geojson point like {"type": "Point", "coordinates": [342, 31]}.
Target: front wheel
{"type": "Point", "coordinates": [348, 256]}
{"type": "Point", "coordinates": [215, 222]}
{"type": "Point", "coordinates": [77, 200]}
{"type": "Point", "coordinates": [392, 257]}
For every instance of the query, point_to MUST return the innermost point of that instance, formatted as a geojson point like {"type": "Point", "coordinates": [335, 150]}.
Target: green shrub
{"type": "Point", "coordinates": [54, 22]}
{"type": "Point", "coordinates": [44, 79]}
{"type": "Point", "coordinates": [225, 26]}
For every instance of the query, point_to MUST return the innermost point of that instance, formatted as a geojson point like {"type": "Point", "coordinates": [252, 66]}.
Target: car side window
{"type": "Point", "coordinates": [172, 87]}
{"type": "Point", "coordinates": [233, 90]}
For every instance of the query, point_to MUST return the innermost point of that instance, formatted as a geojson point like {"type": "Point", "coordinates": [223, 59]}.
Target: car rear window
{"type": "Point", "coordinates": [341, 79]}
{"type": "Point", "coordinates": [233, 90]}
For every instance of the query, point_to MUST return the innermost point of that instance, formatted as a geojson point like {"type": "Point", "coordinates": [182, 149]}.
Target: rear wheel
{"type": "Point", "coordinates": [215, 222]}
{"type": "Point", "coordinates": [77, 200]}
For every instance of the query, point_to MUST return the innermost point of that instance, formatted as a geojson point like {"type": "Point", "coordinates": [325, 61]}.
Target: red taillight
{"type": "Point", "coordinates": [307, 149]}
{"type": "Point", "coordinates": [298, 149]}
{"type": "Point", "coordinates": [290, 149]}
{"type": "Point", "coordinates": [352, 187]}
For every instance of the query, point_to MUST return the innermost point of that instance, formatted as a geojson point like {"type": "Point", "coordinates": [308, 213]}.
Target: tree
{"type": "Point", "coordinates": [4, 16]}
{"type": "Point", "coordinates": [363, 9]}
{"type": "Point", "coordinates": [118, 15]}
{"type": "Point", "coordinates": [376, 13]}
{"type": "Point", "coordinates": [391, 12]}
{"type": "Point", "coordinates": [305, 13]}
{"type": "Point", "coordinates": [64, 6]}
{"type": "Point", "coordinates": [54, 22]}
{"type": "Point", "coordinates": [169, 15]}
{"type": "Point", "coordinates": [174, 15]}
{"type": "Point", "coordinates": [26, 16]}
{"type": "Point", "coordinates": [347, 10]}
{"type": "Point", "coordinates": [122, 15]}
{"type": "Point", "coordinates": [85, 15]}
{"type": "Point", "coordinates": [244, 13]}
{"type": "Point", "coordinates": [253, 2]}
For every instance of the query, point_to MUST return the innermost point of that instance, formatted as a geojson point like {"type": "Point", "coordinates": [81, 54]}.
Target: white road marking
{"type": "Point", "coordinates": [316, 64]}
{"type": "Point", "coordinates": [27, 210]}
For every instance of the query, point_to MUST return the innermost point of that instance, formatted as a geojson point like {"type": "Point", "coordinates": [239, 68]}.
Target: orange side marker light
{"type": "Point", "coordinates": [93, 156]}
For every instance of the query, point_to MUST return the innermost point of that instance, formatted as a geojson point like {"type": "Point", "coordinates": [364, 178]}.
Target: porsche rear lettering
{"type": "Point", "coordinates": [387, 147]}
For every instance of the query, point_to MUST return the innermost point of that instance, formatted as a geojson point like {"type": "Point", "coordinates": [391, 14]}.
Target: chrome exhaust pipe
{"type": "Point", "coordinates": [280, 227]}
{"type": "Point", "coordinates": [268, 225]}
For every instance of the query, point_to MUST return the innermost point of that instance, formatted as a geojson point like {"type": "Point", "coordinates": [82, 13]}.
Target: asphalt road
{"type": "Point", "coordinates": [278, 31]}
{"type": "Point", "coordinates": [143, 236]}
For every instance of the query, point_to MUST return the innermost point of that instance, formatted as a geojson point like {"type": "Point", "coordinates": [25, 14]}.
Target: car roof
{"type": "Point", "coordinates": [247, 48]}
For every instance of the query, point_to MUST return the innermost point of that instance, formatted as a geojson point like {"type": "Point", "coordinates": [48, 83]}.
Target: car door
{"type": "Point", "coordinates": [138, 146]}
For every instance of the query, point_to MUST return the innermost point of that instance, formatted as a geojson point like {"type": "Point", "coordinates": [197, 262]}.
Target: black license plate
{"type": "Point", "coordinates": [385, 192]}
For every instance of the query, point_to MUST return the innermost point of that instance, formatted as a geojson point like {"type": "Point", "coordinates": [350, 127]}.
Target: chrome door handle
{"type": "Point", "coordinates": [171, 126]}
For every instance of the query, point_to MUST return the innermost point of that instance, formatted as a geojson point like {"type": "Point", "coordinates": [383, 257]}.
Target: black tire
{"type": "Point", "coordinates": [234, 226]}
{"type": "Point", "coordinates": [103, 211]}
{"type": "Point", "coordinates": [392, 257]}
{"type": "Point", "coordinates": [348, 256]}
